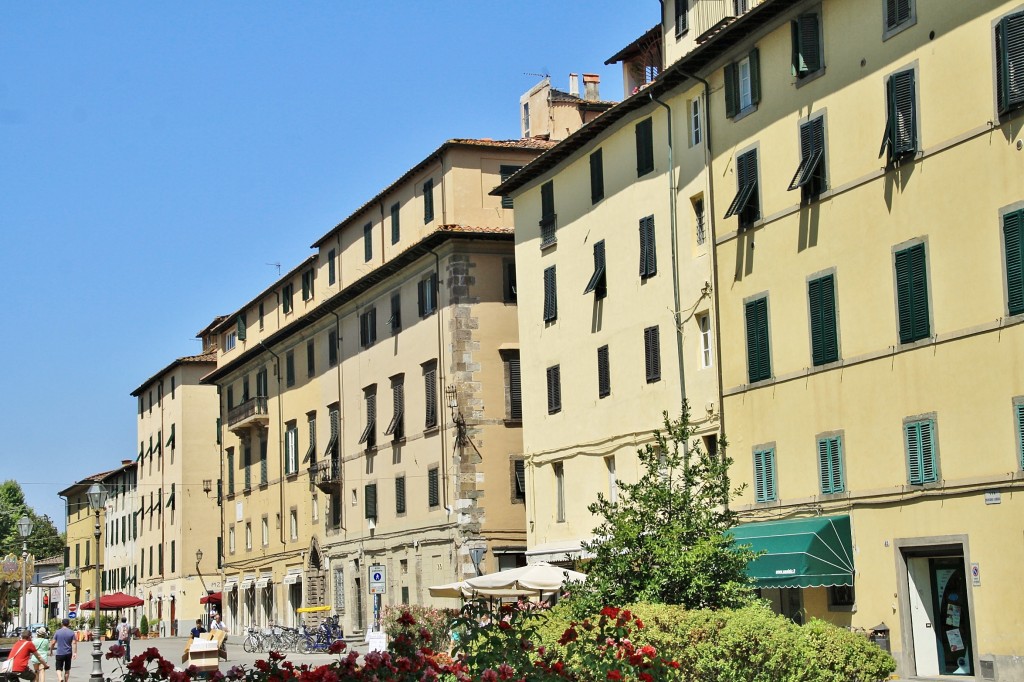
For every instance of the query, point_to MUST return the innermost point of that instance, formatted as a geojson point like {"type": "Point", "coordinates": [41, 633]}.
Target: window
{"type": "Point", "coordinates": [841, 597]}
{"type": "Point", "coordinates": [1018, 418]}
{"type": "Point", "coordinates": [332, 268]}
{"type": "Point", "coordinates": [400, 495]}
{"type": "Point", "coordinates": [310, 457]}
{"type": "Point", "coordinates": [291, 449]}
{"type": "Point", "coordinates": [759, 366]}
{"type": "Point", "coordinates": [433, 487]}
{"type": "Point", "coordinates": [510, 287]}
{"type": "Point", "coordinates": [430, 393]}
{"type": "Point", "coordinates": [239, 328]}
{"type": "Point", "coordinates": [694, 119]}
{"type": "Point", "coordinates": [526, 119]}
{"type": "Point", "coordinates": [428, 201]}
{"type": "Point", "coordinates": [644, 147]}
{"type": "Point", "coordinates": [370, 500]}
{"type": "Point", "coordinates": [293, 524]}
{"type": "Point", "coordinates": [229, 464]}
{"type": "Point", "coordinates": [310, 357]}
{"type": "Point", "coordinates": [613, 484]}
{"type": "Point", "coordinates": [514, 386]}
{"type": "Point", "coordinates": [369, 435]}
{"type": "Point", "coordinates": [247, 465]}
{"type": "Point", "coordinates": [245, 388]}
{"type": "Point", "coordinates": [559, 471]}
{"type": "Point", "coordinates": [899, 14]}
{"type": "Point", "coordinates": [265, 530]}
{"type": "Point", "coordinates": [263, 461]}
{"type": "Point", "coordinates": [596, 177]}
{"type": "Point", "coordinates": [922, 458]}
{"type": "Point", "coordinates": [648, 250]}
{"type": "Point", "coordinates": [1013, 241]}
{"type": "Point", "coordinates": [506, 173]}
{"type": "Point", "coordinates": [396, 428]}
{"type": "Point", "coordinates": [810, 174]}
{"type": "Point", "coordinates": [598, 280]}
{"type": "Point", "coordinates": [261, 315]}
{"type": "Point", "coordinates": [231, 539]}
{"type": "Point", "coordinates": [604, 377]}
{"type": "Point", "coordinates": [231, 403]}
{"type": "Point", "coordinates": [912, 294]}
{"type": "Point", "coordinates": [287, 293]}
{"type": "Point", "coordinates": [396, 226]}
{"type": "Point", "coordinates": [426, 290]}
{"type": "Point", "coordinates": [289, 363]}
{"type": "Point", "coordinates": [824, 339]}
{"type": "Point", "coordinates": [248, 541]}
{"type": "Point", "coordinates": [229, 344]}
{"type": "Point", "coordinates": [704, 324]}
{"type": "Point", "coordinates": [830, 465]}
{"type": "Point", "coordinates": [307, 285]}
{"type": "Point", "coordinates": [764, 475]}
{"type": "Point", "coordinates": [746, 204]}
{"type": "Point", "coordinates": [652, 354]}
{"type": "Point", "coordinates": [548, 217]}
{"type": "Point", "coordinates": [807, 51]}
{"type": "Point", "coordinates": [1010, 62]}
{"type": "Point", "coordinates": [332, 348]}
{"type": "Point", "coordinates": [554, 374]}
{"type": "Point", "coordinates": [368, 328]}
{"type": "Point", "coordinates": [261, 382]}
{"type": "Point", "coordinates": [518, 479]}
{"type": "Point", "coordinates": [742, 84]}
{"type": "Point", "coordinates": [367, 242]}
{"type": "Point", "coordinates": [395, 321]}
{"type": "Point", "coordinates": [681, 17]}
{"type": "Point", "coordinates": [900, 137]}
{"type": "Point", "coordinates": [550, 295]}
{"type": "Point", "coordinates": [698, 220]}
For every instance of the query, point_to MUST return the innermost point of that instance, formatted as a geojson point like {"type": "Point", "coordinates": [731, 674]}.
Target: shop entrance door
{"type": "Point", "coordinates": [952, 616]}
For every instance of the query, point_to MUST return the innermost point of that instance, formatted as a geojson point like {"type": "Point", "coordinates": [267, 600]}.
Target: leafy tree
{"type": "Point", "coordinates": [664, 539]}
{"type": "Point", "coordinates": [45, 541]}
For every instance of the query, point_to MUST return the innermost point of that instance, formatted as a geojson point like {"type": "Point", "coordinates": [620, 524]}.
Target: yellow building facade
{"type": "Point", "coordinates": [82, 556]}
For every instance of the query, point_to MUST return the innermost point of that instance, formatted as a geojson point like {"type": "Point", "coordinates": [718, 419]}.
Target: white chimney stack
{"type": "Point", "coordinates": [574, 84]}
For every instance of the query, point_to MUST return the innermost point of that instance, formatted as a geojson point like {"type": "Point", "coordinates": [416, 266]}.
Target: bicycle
{"type": "Point", "coordinates": [254, 641]}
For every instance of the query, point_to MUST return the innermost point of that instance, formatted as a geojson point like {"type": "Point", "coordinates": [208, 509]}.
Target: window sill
{"type": "Point", "coordinates": [809, 78]}
{"type": "Point", "coordinates": [682, 34]}
{"type": "Point", "coordinates": [395, 442]}
{"type": "Point", "coordinates": [899, 28]}
{"type": "Point", "coordinates": [517, 423]}
{"type": "Point", "coordinates": [291, 476]}
{"type": "Point", "coordinates": [431, 430]}
{"type": "Point", "coordinates": [743, 113]}
{"type": "Point", "coordinates": [548, 244]}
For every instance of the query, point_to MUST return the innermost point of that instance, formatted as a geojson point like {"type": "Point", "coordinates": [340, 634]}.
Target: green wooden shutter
{"type": "Point", "coordinates": [896, 12]}
{"type": "Point", "coordinates": [921, 462]}
{"type": "Point", "coordinates": [515, 389]}
{"type": "Point", "coordinates": [764, 475]}
{"type": "Point", "coordinates": [370, 500]}
{"type": "Point", "coordinates": [902, 123]}
{"type": "Point", "coordinates": [732, 87]}
{"type": "Point", "coordinates": [1013, 237]}
{"type": "Point", "coordinates": [433, 488]}
{"type": "Point", "coordinates": [824, 339]}
{"type": "Point", "coordinates": [396, 229]}
{"type": "Point", "coordinates": [554, 389]}
{"type": "Point", "coordinates": [1010, 61]}
{"type": "Point", "coordinates": [428, 201]}
{"type": "Point", "coordinates": [597, 279]}
{"type": "Point", "coordinates": [240, 327]}
{"type": "Point", "coordinates": [912, 294]}
{"type": "Point", "coordinates": [550, 295]}
{"type": "Point", "coordinates": [1019, 412]}
{"type": "Point", "coordinates": [604, 384]}
{"type": "Point", "coordinates": [830, 466]}
{"type": "Point", "coordinates": [755, 76]}
{"type": "Point", "coordinates": [652, 354]}
{"type": "Point", "coordinates": [400, 495]}
{"type": "Point", "coordinates": [596, 177]}
{"type": "Point", "coordinates": [806, 44]}
{"type": "Point", "coordinates": [758, 360]}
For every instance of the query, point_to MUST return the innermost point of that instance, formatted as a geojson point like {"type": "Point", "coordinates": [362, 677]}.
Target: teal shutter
{"type": "Point", "coordinates": [240, 327]}
{"type": "Point", "coordinates": [901, 119]}
{"type": "Point", "coordinates": [1019, 413]}
{"type": "Point", "coordinates": [764, 476]}
{"type": "Point", "coordinates": [758, 361]}
{"type": "Point", "coordinates": [921, 461]}
{"type": "Point", "coordinates": [830, 465]}
{"type": "Point", "coordinates": [755, 76]}
{"type": "Point", "coordinates": [1013, 237]}
{"type": "Point", "coordinates": [806, 45]}
{"type": "Point", "coordinates": [896, 13]}
{"type": "Point", "coordinates": [824, 338]}
{"type": "Point", "coordinates": [732, 87]}
{"type": "Point", "coordinates": [912, 294]}
{"type": "Point", "coordinates": [1010, 62]}
{"type": "Point", "coordinates": [370, 500]}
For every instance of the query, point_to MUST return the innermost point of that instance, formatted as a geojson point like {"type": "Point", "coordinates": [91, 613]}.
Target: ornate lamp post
{"type": "Point", "coordinates": [97, 495]}
{"type": "Point", "coordinates": [24, 530]}
{"type": "Point", "coordinates": [209, 593]}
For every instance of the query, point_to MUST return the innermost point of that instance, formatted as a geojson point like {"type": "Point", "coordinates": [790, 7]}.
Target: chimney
{"type": "Point", "coordinates": [574, 84]}
{"type": "Point", "coordinates": [590, 83]}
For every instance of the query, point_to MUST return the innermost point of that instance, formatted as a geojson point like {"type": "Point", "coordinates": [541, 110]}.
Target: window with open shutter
{"type": "Point", "coordinates": [1010, 62]}
{"type": "Point", "coordinates": [758, 352]}
{"type": "Point", "coordinates": [604, 378]}
{"type": "Point", "coordinates": [822, 308]}
{"type": "Point", "coordinates": [395, 321]}
{"type": "Point", "coordinates": [652, 354]}
{"type": "Point", "coordinates": [287, 292]}
{"type": "Point", "coordinates": [548, 218]}
{"type": "Point", "coordinates": [806, 32]}
{"type": "Point", "coordinates": [332, 348]}
{"type": "Point", "coordinates": [598, 280]}
{"type": "Point", "coordinates": [396, 226]}
{"type": "Point", "coordinates": [426, 290]}
{"type": "Point", "coordinates": [515, 387]}
{"type": "Point", "coordinates": [1013, 241]}
{"type": "Point", "coordinates": [433, 487]}
{"type": "Point", "coordinates": [307, 285]}
{"type": "Point", "coordinates": [310, 357]}
{"type": "Point", "coordinates": [681, 24]}
{"type": "Point", "coordinates": [519, 472]}
{"type": "Point", "coordinates": [550, 295]}
{"type": "Point", "coordinates": [368, 328]}
{"type": "Point", "coordinates": [430, 393]}
{"type": "Point", "coordinates": [510, 286]}
{"type": "Point", "coordinates": [644, 147]}
{"type": "Point", "coordinates": [370, 500]}
{"type": "Point", "coordinates": [331, 451]}
{"type": "Point", "coordinates": [764, 475]}
{"type": "Point", "coordinates": [506, 173]}
{"type": "Point", "coordinates": [648, 248]}
{"type": "Point", "coordinates": [898, 13]}
{"type": "Point", "coordinates": [830, 465]}
{"type": "Point", "coordinates": [912, 294]}
{"type": "Point", "coordinates": [554, 375]}
{"type": "Point", "coordinates": [396, 428]}
{"type": "Point", "coordinates": [310, 456]}
{"type": "Point", "coordinates": [746, 204]}
{"type": "Point", "coordinates": [229, 464]}
{"type": "Point", "coordinates": [428, 201]}
{"type": "Point", "coordinates": [922, 459]}
{"type": "Point", "coordinates": [369, 435]}
{"type": "Point", "coordinates": [596, 176]}
{"type": "Point", "coordinates": [810, 174]}
{"type": "Point", "coordinates": [742, 84]}
{"type": "Point", "coordinates": [240, 327]}
{"type": "Point", "coordinates": [901, 117]}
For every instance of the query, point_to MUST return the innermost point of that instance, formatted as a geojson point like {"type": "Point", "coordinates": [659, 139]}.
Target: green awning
{"type": "Point", "coordinates": [815, 552]}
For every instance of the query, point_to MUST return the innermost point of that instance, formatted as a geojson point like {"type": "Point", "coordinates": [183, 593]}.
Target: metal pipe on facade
{"type": "Point", "coordinates": [280, 441]}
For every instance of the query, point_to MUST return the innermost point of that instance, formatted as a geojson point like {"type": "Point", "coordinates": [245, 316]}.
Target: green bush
{"type": "Point", "coordinates": [144, 625]}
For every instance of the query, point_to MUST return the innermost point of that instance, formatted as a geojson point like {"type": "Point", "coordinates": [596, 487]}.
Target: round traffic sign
{"type": "Point", "coordinates": [377, 577]}
{"type": "Point", "coordinates": [72, 614]}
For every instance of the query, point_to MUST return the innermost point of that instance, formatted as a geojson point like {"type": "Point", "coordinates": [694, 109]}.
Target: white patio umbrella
{"type": "Point", "coordinates": [541, 578]}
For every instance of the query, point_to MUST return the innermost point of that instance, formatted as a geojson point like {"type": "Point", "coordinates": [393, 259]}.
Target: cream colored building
{"type": "Point", "coordinates": [552, 114]}
{"type": "Point", "coordinates": [81, 554]}
{"type": "Point", "coordinates": [369, 401]}
{"type": "Point", "coordinates": [178, 513]}
{"type": "Point", "coordinates": [120, 532]}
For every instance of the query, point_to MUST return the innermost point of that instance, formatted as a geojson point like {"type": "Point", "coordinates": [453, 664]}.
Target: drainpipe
{"type": "Point", "coordinates": [280, 437]}
{"type": "Point", "coordinates": [673, 225]}
{"type": "Point", "coordinates": [441, 414]}
{"type": "Point", "coordinates": [337, 335]}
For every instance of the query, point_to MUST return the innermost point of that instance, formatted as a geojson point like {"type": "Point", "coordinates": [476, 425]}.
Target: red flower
{"type": "Point", "coordinates": [262, 665]}
{"type": "Point", "coordinates": [504, 625]}
{"type": "Point", "coordinates": [275, 656]}
{"type": "Point", "coordinates": [336, 647]}
{"type": "Point", "coordinates": [610, 611]}
{"type": "Point", "coordinates": [645, 677]}
{"type": "Point", "coordinates": [489, 676]}
{"type": "Point", "coordinates": [639, 624]}
{"type": "Point", "coordinates": [569, 635]}
{"type": "Point", "coordinates": [115, 651]}
{"type": "Point", "coordinates": [648, 650]}
{"type": "Point", "coordinates": [614, 675]}
{"type": "Point", "coordinates": [406, 619]}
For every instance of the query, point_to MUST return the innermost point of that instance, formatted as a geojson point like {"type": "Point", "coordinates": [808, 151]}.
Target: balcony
{"type": "Point", "coordinates": [326, 475]}
{"type": "Point", "coordinates": [709, 17]}
{"type": "Point", "coordinates": [252, 412]}
{"type": "Point", "coordinates": [72, 575]}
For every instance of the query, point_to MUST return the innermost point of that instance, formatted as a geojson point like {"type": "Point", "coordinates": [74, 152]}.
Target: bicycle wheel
{"type": "Point", "coordinates": [305, 645]}
{"type": "Point", "coordinates": [248, 645]}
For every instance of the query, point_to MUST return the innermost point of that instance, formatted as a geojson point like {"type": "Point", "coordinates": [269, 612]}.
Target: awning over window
{"type": "Point", "coordinates": [292, 578]}
{"type": "Point", "coordinates": [816, 552]}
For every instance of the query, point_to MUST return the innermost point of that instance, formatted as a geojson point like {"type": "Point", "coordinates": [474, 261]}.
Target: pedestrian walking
{"type": "Point", "coordinates": [42, 643]}
{"type": "Point", "coordinates": [21, 654]}
{"type": "Point", "coordinates": [216, 624]}
{"type": "Point", "coordinates": [64, 645]}
{"type": "Point", "coordinates": [124, 638]}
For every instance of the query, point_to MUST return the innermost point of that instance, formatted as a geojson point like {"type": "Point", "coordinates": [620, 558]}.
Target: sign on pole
{"type": "Point", "coordinates": [378, 578]}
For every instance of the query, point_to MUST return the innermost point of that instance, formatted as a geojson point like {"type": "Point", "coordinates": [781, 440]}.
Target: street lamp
{"type": "Point", "coordinates": [209, 593]}
{"type": "Point", "coordinates": [24, 530]}
{"type": "Point", "coordinates": [97, 495]}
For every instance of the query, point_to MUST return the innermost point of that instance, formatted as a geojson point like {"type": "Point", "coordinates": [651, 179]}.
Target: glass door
{"type": "Point", "coordinates": [952, 622]}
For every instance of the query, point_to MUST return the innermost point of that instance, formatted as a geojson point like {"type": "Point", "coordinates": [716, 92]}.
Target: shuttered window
{"type": "Point", "coordinates": [548, 218]}
{"type": "Point", "coordinates": [759, 366]}
{"type": "Point", "coordinates": [506, 173]}
{"type": "Point", "coordinates": [810, 174]}
{"type": "Point", "coordinates": [396, 428]}
{"type": "Point", "coordinates": [289, 368]}
{"type": "Point", "coordinates": [287, 293]}
{"type": "Point", "coordinates": [897, 13]}
{"type": "Point", "coordinates": [370, 500]}
{"type": "Point", "coordinates": [644, 147]}
{"type": "Point", "coordinates": [598, 280]}
{"type": "Point", "coordinates": [681, 25]}
{"type": "Point", "coordinates": [519, 474]}
{"type": "Point", "coordinates": [263, 462]}
{"type": "Point", "coordinates": [428, 201]}
{"type": "Point", "coordinates": [596, 177]}
{"type": "Point", "coordinates": [764, 476]}
{"type": "Point", "coordinates": [368, 328]}
{"type": "Point", "coordinates": [1018, 414]}
{"type": "Point", "coordinates": [652, 354]}
{"type": "Point", "coordinates": [554, 375]}
{"type": "Point", "coordinates": [332, 276]}
{"type": "Point", "coordinates": [291, 449]}
{"type": "Point", "coordinates": [396, 225]}
{"type": "Point", "coordinates": [368, 242]}
{"type": "Point", "coordinates": [433, 487]}
{"type": "Point", "coordinates": [822, 307]}
{"type": "Point", "coordinates": [240, 327]}
{"type": "Point", "coordinates": [604, 377]}
{"type": "Point", "coordinates": [550, 295]}
{"type": "Point", "coordinates": [430, 393]}
{"type": "Point", "coordinates": [515, 387]}
{"type": "Point", "coordinates": [648, 248]}
{"type": "Point", "coordinates": [912, 294]}
{"type": "Point", "coordinates": [922, 458]}
{"type": "Point", "coordinates": [310, 358]}
{"type": "Point", "coordinates": [743, 84]}
{"type": "Point", "coordinates": [307, 285]}
{"type": "Point", "coordinates": [830, 465]}
{"type": "Point", "coordinates": [400, 495]}
{"type": "Point", "coordinates": [510, 286]}
{"type": "Point", "coordinates": [559, 470]}
{"type": "Point", "coordinates": [369, 435]}
{"type": "Point", "coordinates": [1013, 240]}
{"type": "Point", "coordinates": [310, 457]}
{"type": "Point", "coordinates": [331, 451]}
{"type": "Point", "coordinates": [426, 292]}
{"type": "Point", "coordinates": [332, 348]}
{"type": "Point", "coordinates": [395, 321]}
{"type": "Point", "coordinates": [900, 137]}
{"type": "Point", "coordinates": [806, 33]}
{"type": "Point", "coordinates": [746, 203]}
{"type": "Point", "coordinates": [1010, 62]}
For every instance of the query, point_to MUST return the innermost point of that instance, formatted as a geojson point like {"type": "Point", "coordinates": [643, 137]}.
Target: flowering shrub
{"type": "Point", "coordinates": [434, 623]}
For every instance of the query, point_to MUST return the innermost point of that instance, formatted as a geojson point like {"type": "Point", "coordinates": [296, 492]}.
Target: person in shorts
{"type": "Point", "coordinates": [21, 654]}
{"type": "Point", "coordinates": [124, 638]}
{"type": "Point", "coordinates": [65, 647]}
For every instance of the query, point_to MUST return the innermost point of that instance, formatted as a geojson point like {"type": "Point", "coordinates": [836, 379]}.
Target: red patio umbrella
{"type": "Point", "coordinates": [112, 602]}
{"type": "Point", "coordinates": [211, 598]}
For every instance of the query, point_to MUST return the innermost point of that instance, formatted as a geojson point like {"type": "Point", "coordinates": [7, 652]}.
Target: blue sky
{"type": "Point", "coordinates": [156, 158]}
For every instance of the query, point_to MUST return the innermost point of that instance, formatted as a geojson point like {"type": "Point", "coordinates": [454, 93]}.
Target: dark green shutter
{"type": "Point", "coordinates": [370, 500]}
{"type": "Point", "coordinates": [812, 152]}
{"type": "Point", "coordinates": [652, 354]}
{"type": "Point", "coordinates": [368, 242]}
{"type": "Point", "coordinates": [597, 282]}
{"type": "Point", "coordinates": [830, 466]}
{"type": "Point", "coordinates": [240, 327]}
{"type": "Point", "coordinates": [732, 90]}
{"type": "Point", "coordinates": [912, 294]}
{"type": "Point", "coordinates": [550, 295]}
{"type": "Point", "coordinates": [764, 476]}
{"type": "Point", "coordinates": [430, 396]}
{"type": "Point", "coordinates": [520, 474]}
{"type": "Point", "coordinates": [396, 229]}
{"type": "Point", "coordinates": [515, 389]}
{"type": "Point", "coordinates": [644, 147]}
{"type": "Point", "coordinates": [596, 177]}
{"type": "Point", "coordinates": [433, 488]}
{"type": "Point", "coordinates": [901, 120]}
{"type": "Point", "coordinates": [896, 13]}
{"type": "Point", "coordinates": [428, 200]}
{"type": "Point", "coordinates": [400, 495]}
{"type": "Point", "coordinates": [1013, 237]}
{"type": "Point", "coordinates": [755, 76]}
{"type": "Point", "coordinates": [604, 383]}
{"type": "Point", "coordinates": [806, 44]}
{"type": "Point", "coordinates": [506, 173]}
{"type": "Point", "coordinates": [554, 376]}
{"type": "Point", "coordinates": [1010, 61]}
{"type": "Point", "coordinates": [758, 351]}
{"type": "Point", "coordinates": [921, 463]}
{"type": "Point", "coordinates": [263, 462]}
{"type": "Point", "coordinates": [822, 304]}
{"type": "Point", "coordinates": [1019, 414]}
{"type": "Point", "coordinates": [648, 250]}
